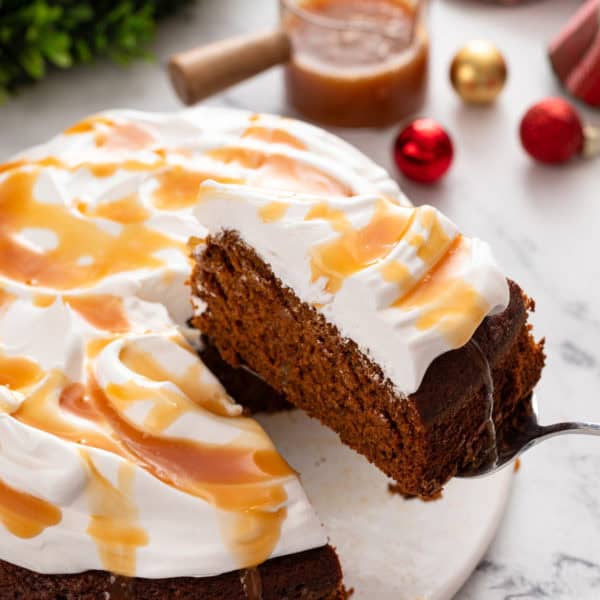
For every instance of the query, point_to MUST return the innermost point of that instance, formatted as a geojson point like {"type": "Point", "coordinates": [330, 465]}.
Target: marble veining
{"type": "Point", "coordinates": [568, 578]}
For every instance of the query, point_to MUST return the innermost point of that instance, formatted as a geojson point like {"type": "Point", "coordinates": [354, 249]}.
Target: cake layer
{"type": "Point", "coordinates": [313, 574]}
{"type": "Point", "coordinates": [420, 440]}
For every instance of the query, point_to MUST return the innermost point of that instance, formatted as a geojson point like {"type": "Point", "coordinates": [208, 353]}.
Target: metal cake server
{"type": "Point", "coordinates": [529, 434]}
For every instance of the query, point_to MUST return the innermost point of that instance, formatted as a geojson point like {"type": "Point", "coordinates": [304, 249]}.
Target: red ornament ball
{"type": "Point", "coordinates": [423, 151]}
{"type": "Point", "coordinates": [551, 131]}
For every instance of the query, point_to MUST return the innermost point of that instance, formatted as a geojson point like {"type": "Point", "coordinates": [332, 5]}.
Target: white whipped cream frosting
{"type": "Point", "coordinates": [403, 339]}
{"type": "Point", "coordinates": [84, 177]}
{"type": "Point", "coordinates": [184, 535]}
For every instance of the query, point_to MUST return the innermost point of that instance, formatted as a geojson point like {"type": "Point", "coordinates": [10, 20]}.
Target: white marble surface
{"type": "Point", "coordinates": [542, 223]}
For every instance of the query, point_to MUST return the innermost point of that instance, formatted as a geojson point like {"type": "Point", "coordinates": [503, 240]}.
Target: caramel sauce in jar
{"type": "Point", "coordinates": [356, 63]}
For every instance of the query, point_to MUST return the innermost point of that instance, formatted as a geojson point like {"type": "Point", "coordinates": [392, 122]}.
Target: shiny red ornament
{"type": "Point", "coordinates": [423, 151]}
{"type": "Point", "coordinates": [551, 131]}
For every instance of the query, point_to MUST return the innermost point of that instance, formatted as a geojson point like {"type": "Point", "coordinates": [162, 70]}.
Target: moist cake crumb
{"type": "Point", "coordinates": [421, 440]}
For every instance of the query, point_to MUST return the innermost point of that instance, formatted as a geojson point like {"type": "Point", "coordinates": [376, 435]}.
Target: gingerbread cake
{"type": "Point", "coordinates": [126, 470]}
{"type": "Point", "coordinates": [376, 317]}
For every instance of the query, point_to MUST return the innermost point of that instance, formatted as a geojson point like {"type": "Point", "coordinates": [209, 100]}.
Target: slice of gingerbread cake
{"type": "Point", "coordinates": [376, 317]}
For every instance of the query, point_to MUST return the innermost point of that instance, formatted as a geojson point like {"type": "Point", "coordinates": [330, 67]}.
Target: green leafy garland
{"type": "Point", "coordinates": [37, 34]}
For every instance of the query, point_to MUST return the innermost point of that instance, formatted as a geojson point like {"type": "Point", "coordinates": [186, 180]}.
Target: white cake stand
{"type": "Point", "coordinates": [390, 548]}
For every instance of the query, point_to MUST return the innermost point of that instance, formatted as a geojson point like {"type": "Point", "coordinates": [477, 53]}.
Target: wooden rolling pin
{"type": "Point", "coordinates": [201, 72]}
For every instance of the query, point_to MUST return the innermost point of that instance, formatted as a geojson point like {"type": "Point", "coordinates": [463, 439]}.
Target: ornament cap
{"type": "Point", "coordinates": [591, 143]}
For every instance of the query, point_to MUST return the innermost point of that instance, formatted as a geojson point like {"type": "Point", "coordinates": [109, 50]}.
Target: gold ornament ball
{"type": "Point", "coordinates": [478, 72]}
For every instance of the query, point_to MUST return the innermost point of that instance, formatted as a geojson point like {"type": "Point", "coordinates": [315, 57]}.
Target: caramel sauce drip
{"type": "Point", "coordinates": [46, 410]}
{"type": "Point", "coordinates": [242, 478]}
{"type": "Point", "coordinates": [126, 210]}
{"type": "Point", "coordinates": [26, 516]}
{"type": "Point", "coordinates": [197, 468]}
{"type": "Point", "coordinates": [236, 478]}
{"type": "Point", "coordinates": [252, 584]}
{"type": "Point", "coordinates": [6, 298]}
{"type": "Point", "coordinates": [124, 136]}
{"type": "Point", "coordinates": [98, 169]}
{"type": "Point", "coordinates": [19, 373]}
{"type": "Point", "coordinates": [253, 534]}
{"type": "Point", "coordinates": [103, 311]}
{"type": "Point", "coordinates": [89, 124]}
{"type": "Point", "coordinates": [114, 521]}
{"type": "Point", "coordinates": [357, 249]}
{"type": "Point", "coordinates": [112, 135]}
{"type": "Point", "coordinates": [178, 187]}
{"type": "Point", "coordinates": [73, 400]}
{"type": "Point", "coordinates": [397, 272]}
{"type": "Point", "coordinates": [183, 463]}
{"type": "Point", "coordinates": [449, 303]}
{"type": "Point", "coordinates": [436, 243]}
{"type": "Point", "coordinates": [94, 347]}
{"type": "Point", "coordinates": [280, 172]}
{"type": "Point", "coordinates": [274, 211]}
{"type": "Point", "coordinates": [337, 218]}
{"type": "Point", "coordinates": [44, 300]}
{"type": "Point", "coordinates": [274, 136]}
{"type": "Point", "coordinates": [196, 394]}
{"type": "Point", "coordinates": [60, 268]}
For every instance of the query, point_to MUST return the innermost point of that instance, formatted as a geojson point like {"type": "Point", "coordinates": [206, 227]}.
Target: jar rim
{"type": "Point", "coordinates": [339, 24]}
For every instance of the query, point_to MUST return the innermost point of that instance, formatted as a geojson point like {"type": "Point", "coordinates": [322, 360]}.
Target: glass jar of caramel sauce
{"type": "Point", "coordinates": [356, 63]}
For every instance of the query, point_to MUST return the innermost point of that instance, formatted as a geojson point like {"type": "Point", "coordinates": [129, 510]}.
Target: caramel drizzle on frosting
{"type": "Point", "coordinates": [126, 210]}
{"type": "Point", "coordinates": [24, 515]}
{"type": "Point", "coordinates": [178, 187]}
{"type": "Point", "coordinates": [281, 172]}
{"type": "Point", "coordinates": [196, 394]}
{"type": "Point", "coordinates": [273, 211]}
{"type": "Point", "coordinates": [124, 136]}
{"type": "Point", "coordinates": [244, 479]}
{"type": "Point", "coordinates": [356, 249]}
{"type": "Point", "coordinates": [450, 304]}
{"type": "Point", "coordinates": [447, 302]}
{"type": "Point", "coordinates": [239, 479]}
{"type": "Point", "coordinates": [18, 373]}
{"type": "Point", "coordinates": [98, 169]}
{"type": "Point", "coordinates": [6, 298]}
{"type": "Point", "coordinates": [274, 136]}
{"type": "Point", "coordinates": [114, 520]}
{"type": "Point", "coordinates": [45, 408]}
{"type": "Point", "coordinates": [102, 311]}
{"type": "Point", "coordinates": [89, 124]}
{"type": "Point", "coordinates": [61, 268]}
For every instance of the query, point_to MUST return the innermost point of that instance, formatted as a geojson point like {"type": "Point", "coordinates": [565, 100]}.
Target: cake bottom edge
{"type": "Point", "coordinates": [310, 575]}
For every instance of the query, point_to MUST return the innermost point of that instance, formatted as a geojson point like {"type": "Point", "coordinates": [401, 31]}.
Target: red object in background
{"type": "Point", "coordinates": [423, 151]}
{"type": "Point", "coordinates": [551, 131]}
{"type": "Point", "coordinates": [575, 53]}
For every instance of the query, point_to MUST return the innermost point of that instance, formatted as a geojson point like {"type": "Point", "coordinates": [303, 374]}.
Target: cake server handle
{"type": "Point", "coordinates": [201, 72]}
